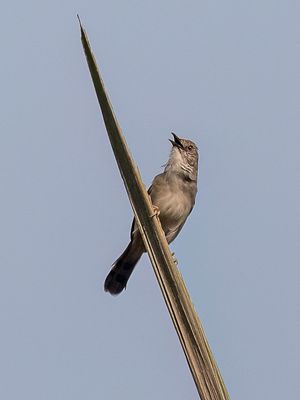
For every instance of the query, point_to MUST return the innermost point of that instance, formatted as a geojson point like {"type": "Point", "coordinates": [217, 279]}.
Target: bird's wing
{"type": "Point", "coordinates": [158, 180]}
{"type": "Point", "coordinates": [134, 226]}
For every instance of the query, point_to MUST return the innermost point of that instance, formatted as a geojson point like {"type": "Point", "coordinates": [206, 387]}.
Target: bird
{"type": "Point", "coordinates": [173, 194]}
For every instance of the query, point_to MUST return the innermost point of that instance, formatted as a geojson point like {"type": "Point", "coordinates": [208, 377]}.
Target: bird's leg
{"type": "Point", "coordinates": [174, 259]}
{"type": "Point", "coordinates": [156, 211]}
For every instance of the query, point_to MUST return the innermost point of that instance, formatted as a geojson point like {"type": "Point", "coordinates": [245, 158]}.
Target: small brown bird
{"type": "Point", "coordinates": [173, 192]}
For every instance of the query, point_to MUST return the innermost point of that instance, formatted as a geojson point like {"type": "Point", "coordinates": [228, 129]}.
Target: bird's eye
{"type": "Point", "coordinates": [190, 147]}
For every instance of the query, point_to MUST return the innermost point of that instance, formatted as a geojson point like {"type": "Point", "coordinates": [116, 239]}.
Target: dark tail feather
{"type": "Point", "coordinates": [121, 270]}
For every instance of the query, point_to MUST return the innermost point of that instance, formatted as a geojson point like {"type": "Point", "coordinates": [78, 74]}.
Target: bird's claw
{"type": "Point", "coordinates": [156, 212]}
{"type": "Point", "coordinates": [174, 259]}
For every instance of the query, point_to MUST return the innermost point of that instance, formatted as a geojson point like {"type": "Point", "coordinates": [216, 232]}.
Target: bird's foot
{"type": "Point", "coordinates": [156, 212]}
{"type": "Point", "coordinates": [174, 259]}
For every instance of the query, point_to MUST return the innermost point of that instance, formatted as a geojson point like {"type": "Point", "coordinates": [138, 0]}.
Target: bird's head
{"type": "Point", "coordinates": [183, 159]}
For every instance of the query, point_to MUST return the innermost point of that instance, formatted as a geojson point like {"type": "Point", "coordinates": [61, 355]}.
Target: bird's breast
{"type": "Point", "coordinates": [174, 203]}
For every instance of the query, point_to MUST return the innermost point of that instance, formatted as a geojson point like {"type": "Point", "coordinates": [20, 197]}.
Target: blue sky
{"type": "Point", "coordinates": [225, 75]}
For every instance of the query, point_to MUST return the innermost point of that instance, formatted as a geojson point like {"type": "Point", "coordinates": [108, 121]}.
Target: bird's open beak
{"type": "Point", "coordinates": [176, 142]}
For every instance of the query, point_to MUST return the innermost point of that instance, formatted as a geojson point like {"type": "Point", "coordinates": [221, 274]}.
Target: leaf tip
{"type": "Point", "coordinates": [79, 21]}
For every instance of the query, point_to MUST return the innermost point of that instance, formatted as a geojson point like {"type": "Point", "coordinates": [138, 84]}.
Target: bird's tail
{"type": "Point", "coordinates": [122, 268]}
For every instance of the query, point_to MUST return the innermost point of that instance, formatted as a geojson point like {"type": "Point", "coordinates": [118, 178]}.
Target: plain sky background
{"type": "Point", "coordinates": [224, 74]}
